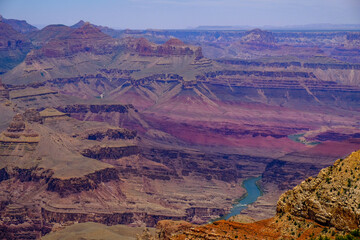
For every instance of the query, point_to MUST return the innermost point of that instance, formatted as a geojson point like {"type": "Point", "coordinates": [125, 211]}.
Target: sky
{"type": "Point", "coordinates": [177, 14]}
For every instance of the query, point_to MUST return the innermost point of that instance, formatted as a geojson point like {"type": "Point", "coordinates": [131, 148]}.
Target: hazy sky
{"type": "Point", "coordinates": [142, 14]}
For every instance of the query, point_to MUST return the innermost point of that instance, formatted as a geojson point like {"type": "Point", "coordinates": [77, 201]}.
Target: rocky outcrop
{"type": "Point", "coordinates": [173, 47]}
{"type": "Point", "coordinates": [110, 134]}
{"type": "Point", "coordinates": [218, 230]}
{"type": "Point", "coordinates": [157, 78]}
{"type": "Point", "coordinates": [166, 229]}
{"type": "Point", "coordinates": [114, 218]}
{"type": "Point", "coordinates": [272, 74]}
{"type": "Point", "coordinates": [326, 66]}
{"type": "Point", "coordinates": [32, 115]}
{"type": "Point", "coordinates": [306, 65]}
{"type": "Point", "coordinates": [331, 199]}
{"type": "Point", "coordinates": [98, 152]}
{"type": "Point", "coordinates": [18, 133]}
{"type": "Point", "coordinates": [255, 63]}
{"type": "Point", "coordinates": [114, 72]}
{"type": "Point", "coordinates": [28, 94]}
{"type": "Point", "coordinates": [22, 222]}
{"type": "Point", "coordinates": [150, 219]}
{"type": "Point", "coordinates": [84, 108]}
{"type": "Point", "coordinates": [51, 113]}
{"type": "Point", "coordinates": [203, 213]}
{"type": "Point", "coordinates": [75, 185]}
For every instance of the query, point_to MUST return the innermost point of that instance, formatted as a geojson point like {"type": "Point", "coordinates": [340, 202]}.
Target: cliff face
{"type": "Point", "coordinates": [173, 47]}
{"type": "Point", "coordinates": [78, 184]}
{"type": "Point", "coordinates": [331, 199]}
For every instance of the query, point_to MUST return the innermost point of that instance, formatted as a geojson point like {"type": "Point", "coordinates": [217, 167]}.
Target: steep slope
{"type": "Point", "coordinates": [13, 47]}
{"type": "Point", "coordinates": [331, 199]}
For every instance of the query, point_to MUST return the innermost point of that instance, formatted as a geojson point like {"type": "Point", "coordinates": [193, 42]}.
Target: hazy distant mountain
{"type": "Point", "coordinates": [104, 29]}
{"type": "Point", "coordinates": [19, 25]}
{"type": "Point", "coordinates": [320, 26]}
{"type": "Point", "coordinates": [243, 27]}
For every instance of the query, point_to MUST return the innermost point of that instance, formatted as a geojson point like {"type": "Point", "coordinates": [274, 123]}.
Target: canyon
{"type": "Point", "coordinates": [325, 206]}
{"type": "Point", "coordinates": [134, 127]}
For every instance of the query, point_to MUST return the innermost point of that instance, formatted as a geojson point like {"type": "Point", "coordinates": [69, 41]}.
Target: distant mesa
{"type": "Point", "coordinates": [258, 36]}
{"type": "Point", "coordinates": [174, 42]}
{"type": "Point", "coordinates": [51, 113]}
{"type": "Point", "coordinates": [173, 47]}
{"type": "Point", "coordinates": [88, 31]}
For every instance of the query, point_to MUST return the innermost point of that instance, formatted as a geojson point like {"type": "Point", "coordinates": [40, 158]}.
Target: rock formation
{"type": "Point", "coordinates": [173, 47]}
{"type": "Point", "coordinates": [331, 199]}
{"type": "Point", "coordinates": [18, 133]}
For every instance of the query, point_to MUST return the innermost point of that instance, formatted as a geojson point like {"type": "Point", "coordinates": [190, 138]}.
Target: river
{"type": "Point", "coordinates": [253, 192]}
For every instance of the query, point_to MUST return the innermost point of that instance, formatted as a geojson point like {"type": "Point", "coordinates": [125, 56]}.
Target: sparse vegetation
{"type": "Point", "coordinates": [355, 233]}
{"type": "Point", "coordinates": [327, 180]}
